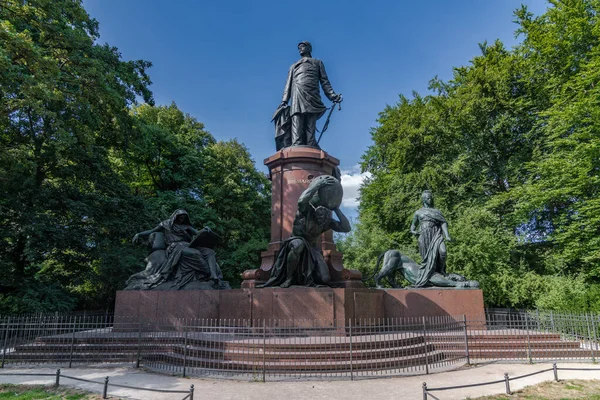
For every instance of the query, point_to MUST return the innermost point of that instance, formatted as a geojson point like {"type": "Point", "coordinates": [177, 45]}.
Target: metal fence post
{"type": "Point", "coordinates": [424, 391]}
{"type": "Point", "coordinates": [466, 340]}
{"type": "Point", "coordinates": [185, 345]}
{"type": "Point", "coordinates": [594, 331]}
{"type": "Point", "coordinates": [555, 372]}
{"type": "Point", "coordinates": [587, 322]}
{"type": "Point", "coordinates": [351, 366]}
{"type": "Point", "coordinates": [5, 340]}
{"type": "Point", "coordinates": [57, 378]}
{"type": "Point", "coordinates": [105, 391]}
{"type": "Point", "coordinates": [552, 321]}
{"type": "Point", "coordinates": [264, 349]}
{"type": "Point", "coordinates": [529, 356]}
{"type": "Point", "coordinates": [191, 392]}
{"type": "Point", "coordinates": [72, 343]}
{"type": "Point", "coordinates": [507, 382]}
{"type": "Point", "coordinates": [425, 343]}
{"type": "Point", "coordinates": [139, 346]}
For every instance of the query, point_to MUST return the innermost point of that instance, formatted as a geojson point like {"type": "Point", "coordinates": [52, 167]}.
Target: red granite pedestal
{"type": "Point", "coordinates": [291, 171]}
{"type": "Point", "coordinates": [316, 306]}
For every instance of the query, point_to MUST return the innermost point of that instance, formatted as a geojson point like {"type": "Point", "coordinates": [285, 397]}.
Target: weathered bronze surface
{"type": "Point", "coordinates": [295, 125]}
{"type": "Point", "coordinates": [431, 228]}
{"type": "Point", "coordinates": [180, 257]}
{"type": "Point", "coordinates": [300, 261]}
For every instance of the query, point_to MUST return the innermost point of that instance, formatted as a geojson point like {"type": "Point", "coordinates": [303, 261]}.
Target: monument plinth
{"type": "Point", "coordinates": [301, 274]}
{"type": "Point", "coordinates": [291, 170]}
{"type": "Point", "coordinates": [297, 306]}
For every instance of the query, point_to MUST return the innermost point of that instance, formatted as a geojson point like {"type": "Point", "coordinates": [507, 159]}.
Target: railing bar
{"type": "Point", "coordinates": [20, 374]}
{"type": "Point", "coordinates": [587, 320]}
{"type": "Point", "coordinates": [5, 344]}
{"type": "Point", "coordinates": [531, 374]}
{"type": "Point", "coordinates": [465, 386]}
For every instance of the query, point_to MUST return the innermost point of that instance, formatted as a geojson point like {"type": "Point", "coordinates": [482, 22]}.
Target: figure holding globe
{"type": "Point", "coordinates": [300, 262]}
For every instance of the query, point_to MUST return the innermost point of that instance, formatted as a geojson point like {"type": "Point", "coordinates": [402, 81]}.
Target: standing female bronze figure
{"type": "Point", "coordinates": [432, 231]}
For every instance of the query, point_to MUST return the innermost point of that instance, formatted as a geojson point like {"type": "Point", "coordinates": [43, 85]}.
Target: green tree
{"type": "Point", "coordinates": [510, 146]}
{"type": "Point", "coordinates": [175, 163]}
{"type": "Point", "coordinates": [63, 106]}
{"type": "Point", "coordinates": [560, 201]}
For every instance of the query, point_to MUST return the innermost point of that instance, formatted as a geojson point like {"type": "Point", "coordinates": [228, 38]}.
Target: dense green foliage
{"type": "Point", "coordinates": [510, 146]}
{"type": "Point", "coordinates": [82, 168]}
{"type": "Point", "coordinates": [174, 163]}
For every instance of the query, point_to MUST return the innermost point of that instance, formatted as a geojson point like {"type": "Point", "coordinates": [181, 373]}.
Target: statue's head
{"type": "Point", "coordinates": [180, 217]}
{"type": "Point", "coordinates": [305, 49]}
{"type": "Point", "coordinates": [427, 197]}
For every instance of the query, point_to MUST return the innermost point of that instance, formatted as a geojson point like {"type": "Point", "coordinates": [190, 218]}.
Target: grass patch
{"type": "Point", "coordinates": [563, 390]}
{"type": "Point", "coordinates": [573, 386]}
{"type": "Point", "coordinates": [38, 392]}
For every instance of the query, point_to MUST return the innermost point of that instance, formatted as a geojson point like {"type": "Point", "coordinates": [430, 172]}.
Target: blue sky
{"type": "Point", "coordinates": [225, 62]}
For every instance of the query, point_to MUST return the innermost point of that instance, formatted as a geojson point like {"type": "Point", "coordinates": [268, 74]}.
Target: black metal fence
{"type": "Point", "coordinates": [289, 349]}
{"type": "Point", "coordinates": [534, 336]}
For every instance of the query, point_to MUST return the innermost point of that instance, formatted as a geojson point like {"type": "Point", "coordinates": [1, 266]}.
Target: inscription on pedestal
{"type": "Point", "coordinates": [292, 181]}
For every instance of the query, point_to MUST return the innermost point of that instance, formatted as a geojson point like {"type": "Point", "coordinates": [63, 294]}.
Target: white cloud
{"type": "Point", "coordinates": [351, 180]}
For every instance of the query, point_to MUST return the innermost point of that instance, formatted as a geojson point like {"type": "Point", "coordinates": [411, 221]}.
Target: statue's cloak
{"type": "Point", "coordinates": [431, 238]}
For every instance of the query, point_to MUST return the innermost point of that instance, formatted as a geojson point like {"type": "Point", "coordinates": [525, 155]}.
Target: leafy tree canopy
{"type": "Point", "coordinates": [510, 146]}
{"type": "Point", "coordinates": [83, 167]}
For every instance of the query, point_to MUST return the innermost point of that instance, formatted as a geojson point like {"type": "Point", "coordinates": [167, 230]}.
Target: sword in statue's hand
{"type": "Point", "coordinates": [337, 101]}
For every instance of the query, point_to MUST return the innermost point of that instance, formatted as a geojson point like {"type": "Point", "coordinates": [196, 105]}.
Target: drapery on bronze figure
{"type": "Point", "coordinates": [432, 230]}
{"type": "Point", "coordinates": [295, 125]}
{"type": "Point", "coordinates": [299, 261]}
{"type": "Point", "coordinates": [394, 261]}
{"type": "Point", "coordinates": [180, 257]}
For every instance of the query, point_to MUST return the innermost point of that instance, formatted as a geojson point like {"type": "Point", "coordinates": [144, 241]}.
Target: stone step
{"type": "Point", "coordinates": [247, 363]}
{"type": "Point", "coordinates": [339, 352]}
{"type": "Point", "coordinates": [513, 344]}
{"type": "Point", "coordinates": [299, 348]}
{"type": "Point", "coordinates": [283, 365]}
{"type": "Point", "coordinates": [506, 354]}
{"type": "Point", "coordinates": [332, 353]}
{"type": "Point", "coordinates": [290, 344]}
{"type": "Point", "coordinates": [511, 334]}
{"type": "Point", "coordinates": [284, 352]}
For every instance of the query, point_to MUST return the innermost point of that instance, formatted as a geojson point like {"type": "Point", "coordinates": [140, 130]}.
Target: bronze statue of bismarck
{"type": "Point", "coordinates": [295, 125]}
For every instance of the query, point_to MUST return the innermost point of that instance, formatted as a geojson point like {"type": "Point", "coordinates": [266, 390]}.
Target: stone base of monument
{"type": "Point", "coordinates": [291, 170]}
{"type": "Point", "coordinates": [321, 306]}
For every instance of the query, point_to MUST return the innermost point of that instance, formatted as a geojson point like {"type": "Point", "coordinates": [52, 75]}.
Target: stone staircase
{"type": "Point", "coordinates": [283, 354]}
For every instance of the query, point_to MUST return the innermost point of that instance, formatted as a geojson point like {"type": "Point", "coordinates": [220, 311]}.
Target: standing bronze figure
{"type": "Point", "coordinates": [432, 231]}
{"type": "Point", "coordinates": [296, 125]}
